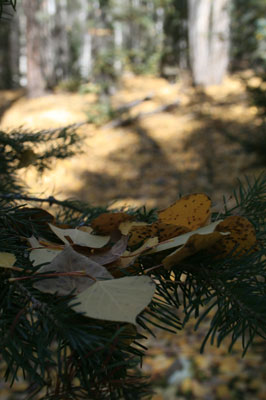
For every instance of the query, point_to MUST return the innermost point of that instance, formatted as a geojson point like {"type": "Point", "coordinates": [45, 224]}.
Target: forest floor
{"type": "Point", "coordinates": [181, 150]}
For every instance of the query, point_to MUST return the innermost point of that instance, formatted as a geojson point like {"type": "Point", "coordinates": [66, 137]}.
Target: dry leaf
{"type": "Point", "coordinates": [85, 228]}
{"type": "Point", "coordinates": [167, 231]}
{"type": "Point", "coordinates": [182, 239]}
{"type": "Point", "coordinates": [79, 237]}
{"type": "Point", "coordinates": [139, 232]}
{"type": "Point", "coordinates": [108, 222]}
{"type": "Point", "coordinates": [191, 211]}
{"type": "Point", "coordinates": [113, 254]}
{"type": "Point", "coordinates": [43, 255]}
{"type": "Point", "coordinates": [125, 227]}
{"type": "Point", "coordinates": [194, 244]}
{"type": "Point", "coordinates": [7, 260]}
{"type": "Point", "coordinates": [69, 260]}
{"type": "Point", "coordinates": [116, 299]}
{"type": "Point", "coordinates": [129, 257]}
{"type": "Point", "coordinates": [242, 236]}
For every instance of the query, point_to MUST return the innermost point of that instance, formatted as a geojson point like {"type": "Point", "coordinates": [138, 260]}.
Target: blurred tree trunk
{"type": "Point", "coordinates": [35, 76]}
{"type": "Point", "coordinates": [209, 39]}
{"type": "Point", "coordinates": [9, 53]}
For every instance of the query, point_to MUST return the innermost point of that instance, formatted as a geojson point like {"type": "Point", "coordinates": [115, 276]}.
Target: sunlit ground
{"type": "Point", "coordinates": [151, 162]}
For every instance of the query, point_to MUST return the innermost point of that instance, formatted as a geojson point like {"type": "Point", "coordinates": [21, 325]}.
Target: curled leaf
{"type": "Point", "coordinates": [79, 237]}
{"type": "Point", "coordinates": [191, 211]}
{"type": "Point", "coordinates": [182, 239]}
{"type": "Point", "coordinates": [117, 299]}
{"type": "Point", "coordinates": [194, 244]}
{"type": "Point", "coordinates": [242, 236]}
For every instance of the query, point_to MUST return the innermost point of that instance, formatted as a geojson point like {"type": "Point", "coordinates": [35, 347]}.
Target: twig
{"type": "Point", "coordinates": [51, 200]}
{"type": "Point", "coordinates": [130, 120]}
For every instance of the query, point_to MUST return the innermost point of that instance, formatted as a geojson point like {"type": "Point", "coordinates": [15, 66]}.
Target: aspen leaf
{"type": "Point", "coordinates": [113, 254]}
{"type": "Point", "coordinates": [7, 260]}
{"type": "Point", "coordinates": [125, 227]}
{"type": "Point", "coordinates": [195, 243]}
{"type": "Point", "coordinates": [167, 231]}
{"type": "Point", "coordinates": [191, 211]}
{"type": "Point", "coordinates": [108, 222]}
{"type": "Point", "coordinates": [43, 255]}
{"type": "Point", "coordinates": [69, 260]}
{"type": "Point", "coordinates": [138, 233]}
{"type": "Point", "coordinates": [182, 239]}
{"type": "Point", "coordinates": [79, 237]}
{"type": "Point", "coordinates": [116, 299]}
{"type": "Point", "coordinates": [85, 228]}
{"type": "Point", "coordinates": [242, 236]}
{"type": "Point", "coordinates": [129, 257]}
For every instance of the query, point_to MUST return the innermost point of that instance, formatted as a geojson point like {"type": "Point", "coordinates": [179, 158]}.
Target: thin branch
{"type": "Point", "coordinates": [51, 200]}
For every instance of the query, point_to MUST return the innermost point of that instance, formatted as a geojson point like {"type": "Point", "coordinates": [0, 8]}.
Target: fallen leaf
{"type": "Point", "coordinates": [194, 244]}
{"type": "Point", "coordinates": [129, 257]}
{"type": "Point", "coordinates": [108, 222]}
{"type": "Point", "coordinates": [113, 254]}
{"type": "Point", "coordinates": [139, 232]}
{"type": "Point", "coordinates": [182, 239]}
{"type": "Point", "coordinates": [242, 236]}
{"type": "Point", "coordinates": [85, 228]}
{"type": "Point", "coordinates": [191, 211]}
{"type": "Point", "coordinates": [167, 231]}
{"type": "Point", "coordinates": [116, 299]}
{"type": "Point", "coordinates": [7, 260]}
{"type": "Point", "coordinates": [43, 255]}
{"type": "Point", "coordinates": [125, 227]}
{"type": "Point", "coordinates": [69, 260]}
{"type": "Point", "coordinates": [79, 237]}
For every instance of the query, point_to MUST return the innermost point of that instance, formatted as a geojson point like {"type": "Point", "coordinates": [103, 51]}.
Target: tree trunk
{"type": "Point", "coordinates": [35, 77]}
{"type": "Point", "coordinates": [209, 38]}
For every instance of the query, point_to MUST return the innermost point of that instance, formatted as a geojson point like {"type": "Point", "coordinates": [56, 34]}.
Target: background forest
{"type": "Point", "coordinates": [165, 97]}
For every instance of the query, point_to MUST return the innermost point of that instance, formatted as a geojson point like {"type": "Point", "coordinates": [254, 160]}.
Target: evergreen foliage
{"type": "Point", "coordinates": [65, 355]}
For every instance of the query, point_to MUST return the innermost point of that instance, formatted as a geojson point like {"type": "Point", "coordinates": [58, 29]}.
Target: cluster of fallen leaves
{"type": "Point", "coordinates": [92, 261]}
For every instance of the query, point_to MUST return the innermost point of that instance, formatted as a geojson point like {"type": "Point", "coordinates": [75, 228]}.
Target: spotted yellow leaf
{"type": "Point", "coordinates": [191, 211]}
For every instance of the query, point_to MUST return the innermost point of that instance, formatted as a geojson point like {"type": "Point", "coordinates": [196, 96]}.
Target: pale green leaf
{"type": "Point", "coordinates": [117, 299]}
{"type": "Point", "coordinates": [80, 237]}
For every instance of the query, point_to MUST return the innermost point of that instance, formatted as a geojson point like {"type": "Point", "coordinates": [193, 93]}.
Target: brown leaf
{"type": "Point", "coordinates": [113, 254]}
{"type": "Point", "coordinates": [69, 260]}
{"type": "Point", "coordinates": [108, 222]}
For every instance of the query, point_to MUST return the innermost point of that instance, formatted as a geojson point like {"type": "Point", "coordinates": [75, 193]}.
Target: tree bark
{"type": "Point", "coordinates": [35, 77]}
{"type": "Point", "coordinates": [209, 39]}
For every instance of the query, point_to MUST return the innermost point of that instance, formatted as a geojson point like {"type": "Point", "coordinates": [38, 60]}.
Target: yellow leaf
{"type": "Point", "coordinates": [139, 232]}
{"type": "Point", "coordinates": [79, 237]}
{"type": "Point", "coordinates": [167, 231]}
{"type": "Point", "coordinates": [242, 236]}
{"type": "Point", "coordinates": [7, 260]}
{"type": "Point", "coordinates": [191, 211]}
{"type": "Point", "coordinates": [116, 299]}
